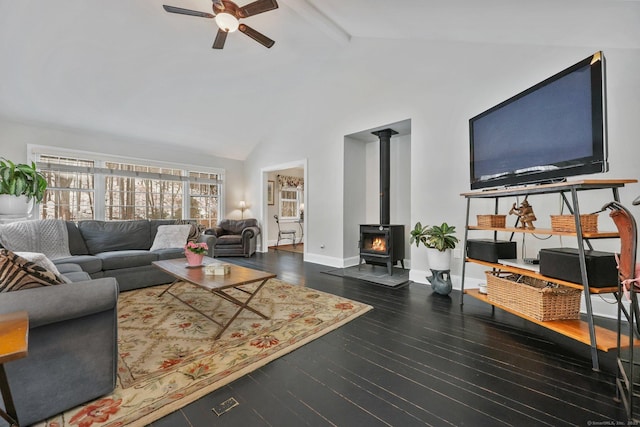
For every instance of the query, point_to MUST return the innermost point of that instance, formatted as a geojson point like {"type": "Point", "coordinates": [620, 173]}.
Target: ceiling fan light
{"type": "Point", "coordinates": [227, 22]}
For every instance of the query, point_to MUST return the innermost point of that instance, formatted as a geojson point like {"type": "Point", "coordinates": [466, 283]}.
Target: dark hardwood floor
{"type": "Point", "coordinates": [415, 359]}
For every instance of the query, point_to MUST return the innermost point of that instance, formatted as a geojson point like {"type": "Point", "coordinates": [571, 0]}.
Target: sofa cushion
{"type": "Point", "coordinates": [89, 263]}
{"type": "Point", "coordinates": [114, 260]}
{"type": "Point", "coordinates": [16, 273]}
{"type": "Point", "coordinates": [76, 242]}
{"type": "Point", "coordinates": [106, 236]}
{"type": "Point", "coordinates": [229, 239]}
{"type": "Point", "coordinates": [169, 253]}
{"type": "Point", "coordinates": [235, 226]}
{"type": "Point", "coordinates": [171, 236]}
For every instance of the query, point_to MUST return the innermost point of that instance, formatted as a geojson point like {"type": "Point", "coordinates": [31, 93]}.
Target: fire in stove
{"type": "Point", "coordinates": [379, 244]}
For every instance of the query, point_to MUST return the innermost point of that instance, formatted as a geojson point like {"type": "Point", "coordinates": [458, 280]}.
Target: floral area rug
{"type": "Point", "coordinates": [168, 357]}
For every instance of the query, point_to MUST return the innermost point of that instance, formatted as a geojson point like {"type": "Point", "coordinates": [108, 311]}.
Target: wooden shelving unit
{"type": "Point", "coordinates": [546, 231]}
{"type": "Point", "coordinates": [580, 330]}
{"type": "Point", "coordinates": [575, 329]}
{"type": "Point", "coordinates": [537, 275]}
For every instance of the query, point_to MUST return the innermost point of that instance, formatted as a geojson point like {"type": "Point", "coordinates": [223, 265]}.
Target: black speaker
{"type": "Point", "coordinates": [564, 264]}
{"type": "Point", "coordinates": [491, 250]}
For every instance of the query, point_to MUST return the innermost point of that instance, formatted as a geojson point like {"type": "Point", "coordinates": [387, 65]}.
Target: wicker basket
{"type": "Point", "coordinates": [589, 223]}
{"type": "Point", "coordinates": [497, 221]}
{"type": "Point", "coordinates": [533, 297]}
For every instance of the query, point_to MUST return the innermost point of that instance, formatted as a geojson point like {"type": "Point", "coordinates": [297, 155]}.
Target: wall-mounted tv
{"type": "Point", "coordinates": [551, 131]}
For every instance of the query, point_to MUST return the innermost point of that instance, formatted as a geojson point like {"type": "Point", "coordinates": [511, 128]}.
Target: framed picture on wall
{"type": "Point", "coordinates": [270, 193]}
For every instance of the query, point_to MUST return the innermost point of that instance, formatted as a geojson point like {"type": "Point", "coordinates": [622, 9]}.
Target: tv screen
{"type": "Point", "coordinates": [551, 131]}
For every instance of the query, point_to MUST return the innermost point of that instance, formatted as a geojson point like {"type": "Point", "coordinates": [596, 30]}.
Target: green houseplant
{"type": "Point", "coordinates": [439, 241]}
{"type": "Point", "coordinates": [419, 234]}
{"type": "Point", "coordinates": [19, 184]}
{"type": "Point", "coordinates": [441, 237]}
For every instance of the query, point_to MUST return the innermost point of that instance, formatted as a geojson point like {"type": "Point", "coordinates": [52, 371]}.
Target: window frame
{"type": "Point", "coordinates": [100, 172]}
{"type": "Point", "coordinates": [298, 201]}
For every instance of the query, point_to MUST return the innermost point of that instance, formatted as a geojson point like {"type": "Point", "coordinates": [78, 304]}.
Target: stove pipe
{"type": "Point", "coordinates": [385, 173]}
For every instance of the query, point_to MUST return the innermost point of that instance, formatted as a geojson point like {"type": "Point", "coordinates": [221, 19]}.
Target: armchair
{"type": "Point", "coordinates": [235, 237]}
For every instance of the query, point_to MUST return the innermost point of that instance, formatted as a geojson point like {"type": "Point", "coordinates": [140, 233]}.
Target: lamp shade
{"type": "Point", "coordinates": [243, 205]}
{"type": "Point", "coordinates": [227, 22]}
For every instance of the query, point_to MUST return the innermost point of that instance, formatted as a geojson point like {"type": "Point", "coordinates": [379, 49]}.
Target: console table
{"type": "Point", "coordinates": [14, 331]}
{"type": "Point", "coordinates": [583, 331]}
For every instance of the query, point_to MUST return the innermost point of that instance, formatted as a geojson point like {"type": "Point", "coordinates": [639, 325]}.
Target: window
{"type": "Point", "coordinates": [70, 193]}
{"type": "Point", "coordinates": [83, 187]}
{"type": "Point", "coordinates": [291, 196]}
{"type": "Point", "coordinates": [136, 197]}
{"type": "Point", "coordinates": [290, 199]}
{"type": "Point", "coordinates": [203, 198]}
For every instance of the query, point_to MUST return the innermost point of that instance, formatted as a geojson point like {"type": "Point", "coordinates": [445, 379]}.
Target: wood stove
{"type": "Point", "coordinates": [383, 244]}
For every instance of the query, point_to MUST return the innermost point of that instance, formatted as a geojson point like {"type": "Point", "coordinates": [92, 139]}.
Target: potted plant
{"type": "Point", "coordinates": [19, 184]}
{"type": "Point", "coordinates": [439, 241]}
{"type": "Point", "coordinates": [195, 252]}
{"type": "Point", "coordinates": [419, 234]}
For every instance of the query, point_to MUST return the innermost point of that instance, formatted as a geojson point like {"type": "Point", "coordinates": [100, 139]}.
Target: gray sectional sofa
{"type": "Point", "coordinates": [120, 249]}
{"type": "Point", "coordinates": [72, 356]}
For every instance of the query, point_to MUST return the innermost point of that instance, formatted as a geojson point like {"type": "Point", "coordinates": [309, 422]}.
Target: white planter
{"type": "Point", "coordinates": [15, 206]}
{"type": "Point", "coordinates": [439, 260]}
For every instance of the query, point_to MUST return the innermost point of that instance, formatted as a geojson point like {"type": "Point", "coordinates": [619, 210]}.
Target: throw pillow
{"type": "Point", "coordinates": [42, 261]}
{"type": "Point", "coordinates": [16, 273]}
{"type": "Point", "coordinates": [196, 229]}
{"type": "Point", "coordinates": [171, 236]}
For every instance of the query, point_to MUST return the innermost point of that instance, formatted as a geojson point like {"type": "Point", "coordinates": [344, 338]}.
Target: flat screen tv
{"type": "Point", "coordinates": [551, 131]}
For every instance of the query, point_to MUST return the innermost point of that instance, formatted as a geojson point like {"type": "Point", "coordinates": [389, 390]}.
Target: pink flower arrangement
{"type": "Point", "coordinates": [197, 248]}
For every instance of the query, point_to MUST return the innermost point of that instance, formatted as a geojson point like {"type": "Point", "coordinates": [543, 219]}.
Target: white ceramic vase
{"type": "Point", "coordinates": [15, 206]}
{"type": "Point", "coordinates": [438, 260]}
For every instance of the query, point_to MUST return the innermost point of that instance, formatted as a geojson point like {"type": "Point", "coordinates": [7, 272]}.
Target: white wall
{"type": "Point", "coordinates": [361, 192]}
{"type": "Point", "coordinates": [15, 136]}
{"type": "Point", "coordinates": [439, 86]}
{"type": "Point", "coordinates": [354, 196]}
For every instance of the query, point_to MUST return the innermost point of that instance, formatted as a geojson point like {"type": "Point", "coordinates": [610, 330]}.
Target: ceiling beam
{"type": "Point", "coordinates": [318, 19]}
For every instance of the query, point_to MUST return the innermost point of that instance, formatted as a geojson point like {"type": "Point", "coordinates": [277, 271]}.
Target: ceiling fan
{"type": "Point", "coordinates": [227, 15]}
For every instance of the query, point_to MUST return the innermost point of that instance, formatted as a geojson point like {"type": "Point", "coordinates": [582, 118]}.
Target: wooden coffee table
{"type": "Point", "coordinates": [237, 276]}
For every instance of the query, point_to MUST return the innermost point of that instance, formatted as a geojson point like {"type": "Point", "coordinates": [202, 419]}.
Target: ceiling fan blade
{"type": "Point", "coordinates": [259, 37]}
{"type": "Point", "coordinates": [258, 6]}
{"type": "Point", "coordinates": [221, 37]}
{"type": "Point", "coordinates": [190, 12]}
{"type": "Point", "coordinates": [218, 4]}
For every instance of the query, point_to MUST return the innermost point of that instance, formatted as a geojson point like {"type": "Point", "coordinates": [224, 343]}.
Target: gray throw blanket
{"type": "Point", "coordinates": [46, 236]}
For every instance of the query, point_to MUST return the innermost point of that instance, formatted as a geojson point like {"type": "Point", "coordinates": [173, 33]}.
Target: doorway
{"type": "Point", "coordinates": [292, 178]}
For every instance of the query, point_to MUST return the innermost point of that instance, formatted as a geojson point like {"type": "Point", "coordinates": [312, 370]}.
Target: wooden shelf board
{"type": "Point", "coordinates": [531, 273]}
{"type": "Point", "coordinates": [584, 184]}
{"type": "Point", "coordinates": [606, 340]}
{"type": "Point", "coordinates": [548, 231]}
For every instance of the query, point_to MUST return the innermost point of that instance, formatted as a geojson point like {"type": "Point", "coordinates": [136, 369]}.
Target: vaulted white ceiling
{"type": "Point", "coordinates": [127, 67]}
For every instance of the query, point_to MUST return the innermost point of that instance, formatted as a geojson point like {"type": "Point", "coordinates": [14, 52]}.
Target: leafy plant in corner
{"type": "Point", "coordinates": [21, 180]}
{"type": "Point", "coordinates": [419, 234]}
{"type": "Point", "coordinates": [441, 237]}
